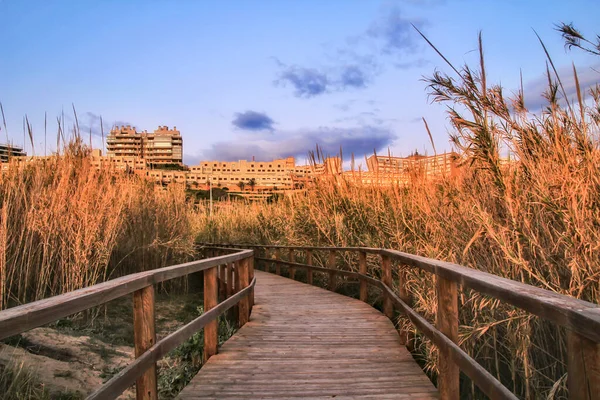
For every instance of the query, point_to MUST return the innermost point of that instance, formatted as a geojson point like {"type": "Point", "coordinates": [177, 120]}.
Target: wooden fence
{"type": "Point", "coordinates": [580, 318]}
{"type": "Point", "coordinates": [237, 266]}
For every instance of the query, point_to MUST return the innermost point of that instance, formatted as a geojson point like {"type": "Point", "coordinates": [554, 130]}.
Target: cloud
{"type": "Point", "coordinates": [353, 76]}
{"type": "Point", "coordinates": [358, 140]}
{"type": "Point", "coordinates": [355, 64]}
{"type": "Point", "coordinates": [98, 126]}
{"type": "Point", "coordinates": [588, 78]}
{"type": "Point", "coordinates": [253, 121]}
{"type": "Point", "coordinates": [311, 82]}
{"type": "Point", "coordinates": [307, 82]}
{"type": "Point", "coordinates": [396, 32]}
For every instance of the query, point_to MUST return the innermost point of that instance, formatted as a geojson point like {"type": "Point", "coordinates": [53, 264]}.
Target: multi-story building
{"type": "Point", "coordinates": [388, 170]}
{"type": "Point", "coordinates": [440, 165]}
{"type": "Point", "coordinates": [276, 174]}
{"type": "Point", "coordinates": [8, 151]}
{"type": "Point", "coordinates": [161, 147]}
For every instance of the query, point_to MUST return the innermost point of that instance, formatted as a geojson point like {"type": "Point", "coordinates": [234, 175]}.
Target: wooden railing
{"type": "Point", "coordinates": [237, 266]}
{"type": "Point", "coordinates": [580, 318]}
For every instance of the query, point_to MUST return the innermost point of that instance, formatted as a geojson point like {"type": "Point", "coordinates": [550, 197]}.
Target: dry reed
{"type": "Point", "coordinates": [534, 220]}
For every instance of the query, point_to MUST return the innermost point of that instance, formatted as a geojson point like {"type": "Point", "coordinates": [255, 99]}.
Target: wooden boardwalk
{"type": "Point", "coordinates": [307, 342]}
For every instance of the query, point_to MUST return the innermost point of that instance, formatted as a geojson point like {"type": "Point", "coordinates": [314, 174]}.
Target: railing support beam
{"type": "Point", "coordinates": [386, 278]}
{"type": "Point", "coordinates": [244, 306]}
{"type": "Point", "coordinates": [211, 299]}
{"type": "Point", "coordinates": [277, 265]}
{"type": "Point", "coordinates": [447, 323]}
{"type": "Point", "coordinates": [405, 297]}
{"type": "Point", "coordinates": [144, 333]}
{"type": "Point", "coordinates": [583, 367]}
{"type": "Point", "coordinates": [331, 265]}
{"type": "Point", "coordinates": [291, 258]}
{"type": "Point", "coordinates": [309, 273]}
{"type": "Point", "coordinates": [362, 268]}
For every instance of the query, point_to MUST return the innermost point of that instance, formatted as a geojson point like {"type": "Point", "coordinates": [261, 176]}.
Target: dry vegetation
{"type": "Point", "coordinates": [64, 225]}
{"type": "Point", "coordinates": [535, 221]}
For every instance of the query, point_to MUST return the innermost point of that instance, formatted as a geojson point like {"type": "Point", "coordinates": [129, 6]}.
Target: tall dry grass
{"type": "Point", "coordinates": [535, 220]}
{"type": "Point", "coordinates": [65, 225]}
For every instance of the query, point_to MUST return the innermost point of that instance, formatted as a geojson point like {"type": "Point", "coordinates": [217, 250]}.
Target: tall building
{"type": "Point", "coordinates": [388, 170]}
{"type": "Point", "coordinates": [430, 166]}
{"type": "Point", "coordinates": [163, 146]}
{"type": "Point", "coordinates": [281, 173]}
{"type": "Point", "coordinates": [8, 151]}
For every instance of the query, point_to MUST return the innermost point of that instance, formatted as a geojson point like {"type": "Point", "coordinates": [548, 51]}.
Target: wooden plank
{"type": "Point", "coordinates": [122, 380]}
{"type": "Point", "coordinates": [309, 273]}
{"type": "Point", "coordinates": [144, 334]}
{"type": "Point", "coordinates": [307, 342]}
{"type": "Point", "coordinates": [386, 278]}
{"type": "Point", "coordinates": [447, 323]}
{"type": "Point", "coordinates": [211, 299]}
{"type": "Point", "coordinates": [362, 268]}
{"type": "Point", "coordinates": [583, 362]}
{"type": "Point", "coordinates": [32, 315]}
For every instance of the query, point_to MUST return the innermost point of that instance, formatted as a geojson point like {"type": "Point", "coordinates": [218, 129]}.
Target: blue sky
{"type": "Point", "coordinates": [267, 78]}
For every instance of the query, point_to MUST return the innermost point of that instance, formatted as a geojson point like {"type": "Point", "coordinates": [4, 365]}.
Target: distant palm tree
{"type": "Point", "coordinates": [252, 183]}
{"type": "Point", "coordinates": [241, 185]}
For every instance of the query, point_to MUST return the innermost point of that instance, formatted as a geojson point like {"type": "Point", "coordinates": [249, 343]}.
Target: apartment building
{"type": "Point", "coordinates": [161, 147]}
{"type": "Point", "coordinates": [280, 173]}
{"type": "Point", "coordinates": [8, 151]}
{"type": "Point", "coordinates": [388, 170]}
{"type": "Point", "coordinates": [124, 163]}
{"type": "Point", "coordinates": [440, 165]}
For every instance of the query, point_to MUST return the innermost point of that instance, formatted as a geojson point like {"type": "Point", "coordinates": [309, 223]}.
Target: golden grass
{"type": "Point", "coordinates": [64, 225]}
{"type": "Point", "coordinates": [535, 221]}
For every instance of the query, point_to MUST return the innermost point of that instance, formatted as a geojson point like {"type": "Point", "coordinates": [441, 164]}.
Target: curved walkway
{"type": "Point", "coordinates": [307, 342]}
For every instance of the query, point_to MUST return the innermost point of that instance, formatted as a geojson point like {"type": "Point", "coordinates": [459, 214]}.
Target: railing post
{"type": "Point", "coordinates": [211, 299]}
{"type": "Point", "coordinates": [277, 258]}
{"type": "Point", "coordinates": [266, 264]}
{"type": "Point", "coordinates": [250, 277]}
{"type": "Point", "coordinates": [144, 333]}
{"type": "Point", "coordinates": [229, 283]}
{"type": "Point", "coordinates": [583, 367]}
{"type": "Point", "coordinates": [237, 285]}
{"type": "Point", "coordinates": [309, 272]}
{"type": "Point", "coordinates": [362, 268]}
{"type": "Point", "coordinates": [222, 277]}
{"type": "Point", "coordinates": [291, 258]}
{"type": "Point", "coordinates": [447, 323]}
{"type": "Point", "coordinates": [405, 297]}
{"type": "Point", "coordinates": [386, 278]}
{"type": "Point", "coordinates": [331, 264]}
{"type": "Point", "coordinates": [244, 308]}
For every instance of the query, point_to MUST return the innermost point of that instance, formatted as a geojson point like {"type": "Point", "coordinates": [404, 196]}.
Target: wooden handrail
{"type": "Point", "coordinates": [143, 370]}
{"type": "Point", "coordinates": [581, 318]}
{"type": "Point", "coordinates": [121, 381]}
{"type": "Point", "coordinates": [32, 315]}
{"type": "Point", "coordinates": [577, 315]}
